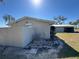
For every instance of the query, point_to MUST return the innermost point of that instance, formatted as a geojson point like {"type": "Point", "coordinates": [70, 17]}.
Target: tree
{"type": "Point", "coordinates": [60, 19]}
{"type": "Point", "coordinates": [74, 22]}
{"type": "Point", "coordinates": [77, 21]}
{"type": "Point", "coordinates": [8, 19]}
{"type": "Point", "coordinates": [70, 23]}
{"type": "Point", "coordinates": [1, 1]}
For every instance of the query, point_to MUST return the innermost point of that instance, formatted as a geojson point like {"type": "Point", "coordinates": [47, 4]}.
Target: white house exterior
{"type": "Point", "coordinates": [21, 32]}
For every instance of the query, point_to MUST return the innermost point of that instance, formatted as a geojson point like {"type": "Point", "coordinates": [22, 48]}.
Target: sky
{"type": "Point", "coordinates": [45, 9]}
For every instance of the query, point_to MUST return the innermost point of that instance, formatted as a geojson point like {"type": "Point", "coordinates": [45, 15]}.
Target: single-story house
{"type": "Point", "coordinates": [62, 28]}
{"type": "Point", "coordinates": [21, 32]}
{"type": "Point", "coordinates": [77, 26]}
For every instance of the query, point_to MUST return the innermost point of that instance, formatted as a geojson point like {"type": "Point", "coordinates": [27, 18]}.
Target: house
{"type": "Point", "coordinates": [62, 28]}
{"type": "Point", "coordinates": [77, 26]}
{"type": "Point", "coordinates": [21, 32]}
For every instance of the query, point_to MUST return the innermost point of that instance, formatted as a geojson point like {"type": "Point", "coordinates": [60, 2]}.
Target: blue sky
{"type": "Point", "coordinates": [46, 10]}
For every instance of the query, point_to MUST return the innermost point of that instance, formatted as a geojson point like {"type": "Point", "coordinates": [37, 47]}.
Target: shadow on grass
{"type": "Point", "coordinates": [67, 51]}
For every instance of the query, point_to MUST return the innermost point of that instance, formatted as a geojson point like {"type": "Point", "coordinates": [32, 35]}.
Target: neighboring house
{"type": "Point", "coordinates": [63, 28]}
{"type": "Point", "coordinates": [21, 32]}
{"type": "Point", "coordinates": [77, 26]}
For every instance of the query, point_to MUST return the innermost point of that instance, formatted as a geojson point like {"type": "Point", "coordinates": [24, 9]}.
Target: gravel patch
{"type": "Point", "coordinates": [47, 51]}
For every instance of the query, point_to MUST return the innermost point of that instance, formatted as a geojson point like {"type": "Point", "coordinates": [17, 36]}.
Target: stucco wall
{"type": "Point", "coordinates": [23, 33]}
{"type": "Point", "coordinates": [41, 29]}
{"type": "Point", "coordinates": [15, 37]}
{"type": "Point", "coordinates": [3, 36]}
{"type": "Point", "coordinates": [11, 37]}
{"type": "Point", "coordinates": [20, 34]}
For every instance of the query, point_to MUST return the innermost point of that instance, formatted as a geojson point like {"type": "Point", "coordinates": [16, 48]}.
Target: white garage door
{"type": "Point", "coordinates": [28, 33]}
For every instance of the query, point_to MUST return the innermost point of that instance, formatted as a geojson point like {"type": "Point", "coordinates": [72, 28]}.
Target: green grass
{"type": "Point", "coordinates": [71, 41]}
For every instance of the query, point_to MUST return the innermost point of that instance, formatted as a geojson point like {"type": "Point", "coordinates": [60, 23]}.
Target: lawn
{"type": "Point", "coordinates": [71, 41]}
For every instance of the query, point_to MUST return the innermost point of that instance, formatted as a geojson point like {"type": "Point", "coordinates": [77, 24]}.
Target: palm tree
{"type": "Point", "coordinates": [8, 19]}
